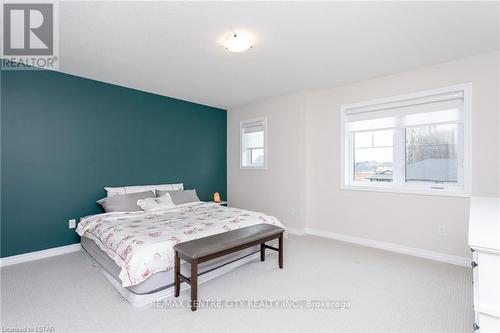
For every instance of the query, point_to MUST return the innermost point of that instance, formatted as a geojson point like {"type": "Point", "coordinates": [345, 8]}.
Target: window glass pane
{"type": "Point", "coordinates": [373, 160]}
{"type": "Point", "coordinates": [252, 143]}
{"type": "Point", "coordinates": [382, 138]}
{"type": "Point", "coordinates": [363, 140]}
{"type": "Point", "coordinates": [257, 157]}
{"type": "Point", "coordinates": [431, 153]}
{"type": "Point", "coordinates": [253, 139]}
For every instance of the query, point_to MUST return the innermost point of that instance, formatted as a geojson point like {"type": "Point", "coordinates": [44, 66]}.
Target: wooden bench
{"type": "Point", "coordinates": [203, 249]}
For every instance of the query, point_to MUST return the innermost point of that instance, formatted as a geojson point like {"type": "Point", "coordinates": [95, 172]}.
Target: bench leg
{"type": "Point", "coordinates": [280, 252]}
{"type": "Point", "coordinates": [194, 284]}
{"type": "Point", "coordinates": [177, 273]}
{"type": "Point", "coordinates": [262, 252]}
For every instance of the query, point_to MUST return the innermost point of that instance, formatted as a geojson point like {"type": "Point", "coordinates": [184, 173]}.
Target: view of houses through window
{"type": "Point", "coordinates": [430, 154]}
{"type": "Point", "coordinates": [373, 160]}
{"type": "Point", "coordinates": [414, 142]}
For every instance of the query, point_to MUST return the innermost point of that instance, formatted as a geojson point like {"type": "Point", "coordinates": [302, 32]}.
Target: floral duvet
{"type": "Point", "coordinates": [141, 243]}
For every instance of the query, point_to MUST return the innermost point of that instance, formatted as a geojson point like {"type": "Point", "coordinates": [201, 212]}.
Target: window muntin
{"type": "Point", "coordinates": [428, 146]}
{"type": "Point", "coordinates": [253, 143]}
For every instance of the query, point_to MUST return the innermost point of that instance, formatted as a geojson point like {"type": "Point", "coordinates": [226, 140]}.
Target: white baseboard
{"type": "Point", "coordinates": [412, 251]}
{"type": "Point", "coordinates": [296, 231]}
{"type": "Point", "coordinates": [39, 254]}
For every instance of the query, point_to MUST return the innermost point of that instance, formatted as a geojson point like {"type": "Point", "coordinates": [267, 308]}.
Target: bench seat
{"type": "Point", "coordinates": [207, 248]}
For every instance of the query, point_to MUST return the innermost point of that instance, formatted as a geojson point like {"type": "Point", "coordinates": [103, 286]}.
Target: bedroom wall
{"type": "Point", "coordinates": [279, 190]}
{"type": "Point", "coordinates": [408, 220]}
{"type": "Point", "coordinates": [64, 138]}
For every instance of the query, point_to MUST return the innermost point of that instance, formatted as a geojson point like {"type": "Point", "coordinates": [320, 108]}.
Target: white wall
{"type": "Point", "coordinates": [304, 161]}
{"type": "Point", "coordinates": [279, 190]}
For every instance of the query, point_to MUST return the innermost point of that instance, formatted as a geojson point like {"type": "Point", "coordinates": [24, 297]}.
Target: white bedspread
{"type": "Point", "coordinates": [142, 243]}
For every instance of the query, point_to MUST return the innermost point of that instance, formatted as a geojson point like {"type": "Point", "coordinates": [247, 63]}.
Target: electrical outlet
{"type": "Point", "coordinates": [72, 223]}
{"type": "Point", "coordinates": [292, 211]}
{"type": "Point", "coordinates": [442, 230]}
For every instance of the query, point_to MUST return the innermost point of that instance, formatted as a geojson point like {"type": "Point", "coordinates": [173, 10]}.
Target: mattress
{"type": "Point", "coordinates": [161, 280]}
{"type": "Point", "coordinates": [141, 243]}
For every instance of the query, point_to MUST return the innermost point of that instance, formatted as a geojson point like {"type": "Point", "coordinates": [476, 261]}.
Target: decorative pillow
{"type": "Point", "coordinates": [165, 199]}
{"type": "Point", "coordinates": [160, 193]}
{"type": "Point", "coordinates": [141, 188]}
{"type": "Point", "coordinates": [148, 204]}
{"type": "Point", "coordinates": [155, 204]}
{"type": "Point", "coordinates": [124, 202]}
{"type": "Point", "coordinates": [181, 197]}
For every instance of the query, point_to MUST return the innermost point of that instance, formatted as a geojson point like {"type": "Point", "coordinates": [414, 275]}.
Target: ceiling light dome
{"type": "Point", "coordinates": [237, 42]}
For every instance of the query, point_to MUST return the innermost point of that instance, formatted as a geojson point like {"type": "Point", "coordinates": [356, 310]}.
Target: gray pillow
{"type": "Point", "coordinates": [124, 202]}
{"type": "Point", "coordinates": [159, 193]}
{"type": "Point", "coordinates": [180, 197]}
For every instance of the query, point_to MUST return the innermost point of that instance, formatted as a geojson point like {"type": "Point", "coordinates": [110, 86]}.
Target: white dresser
{"type": "Point", "coordinates": [484, 240]}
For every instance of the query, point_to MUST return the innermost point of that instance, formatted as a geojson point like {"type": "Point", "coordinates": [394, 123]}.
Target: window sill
{"type": "Point", "coordinates": [408, 190]}
{"type": "Point", "coordinates": [252, 168]}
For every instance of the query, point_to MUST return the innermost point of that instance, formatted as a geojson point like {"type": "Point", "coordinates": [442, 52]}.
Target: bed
{"type": "Point", "coordinates": [134, 250]}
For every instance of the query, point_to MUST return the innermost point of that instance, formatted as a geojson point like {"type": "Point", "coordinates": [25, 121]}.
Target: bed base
{"type": "Point", "coordinates": [141, 300]}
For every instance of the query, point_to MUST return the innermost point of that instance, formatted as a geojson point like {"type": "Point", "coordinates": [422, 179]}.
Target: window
{"type": "Point", "coordinates": [253, 137]}
{"type": "Point", "coordinates": [373, 158]}
{"type": "Point", "coordinates": [414, 144]}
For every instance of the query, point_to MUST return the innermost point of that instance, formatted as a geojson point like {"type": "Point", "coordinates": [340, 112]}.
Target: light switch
{"type": "Point", "coordinates": [72, 224]}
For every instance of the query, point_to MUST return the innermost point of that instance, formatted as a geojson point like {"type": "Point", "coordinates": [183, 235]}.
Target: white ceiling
{"type": "Point", "coordinates": [172, 48]}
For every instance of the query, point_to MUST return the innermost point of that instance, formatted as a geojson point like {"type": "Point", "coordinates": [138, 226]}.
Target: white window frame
{"type": "Point", "coordinates": [461, 190]}
{"type": "Point", "coordinates": [242, 123]}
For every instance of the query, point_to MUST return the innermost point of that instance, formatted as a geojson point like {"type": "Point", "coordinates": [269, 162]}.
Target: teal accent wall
{"type": "Point", "coordinates": [64, 138]}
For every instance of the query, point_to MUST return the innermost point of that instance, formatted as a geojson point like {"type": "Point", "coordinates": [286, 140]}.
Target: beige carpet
{"type": "Point", "coordinates": [384, 292]}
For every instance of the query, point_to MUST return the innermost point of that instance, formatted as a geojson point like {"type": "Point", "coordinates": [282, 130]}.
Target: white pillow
{"type": "Point", "coordinates": [148, 204]}
{"type": "Point", "coordinates": [155, 204]}
{"type": "Point", "coordinates": [165, 199]}
{"type": "Point", "coordinates": [142, 188]}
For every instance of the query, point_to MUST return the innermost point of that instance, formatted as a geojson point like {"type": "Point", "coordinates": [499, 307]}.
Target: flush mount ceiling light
{"type": "Point", "coordinates": [237, 42]}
